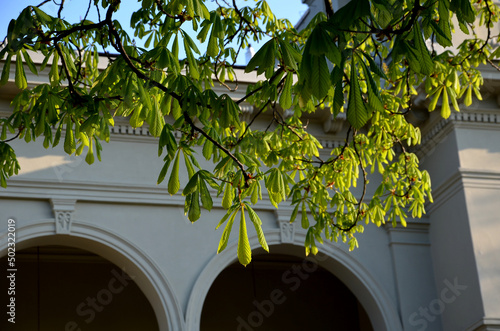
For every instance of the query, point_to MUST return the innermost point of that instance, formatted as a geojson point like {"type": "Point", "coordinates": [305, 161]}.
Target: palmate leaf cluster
{"type": "Point", "coordinates": [366, 60]}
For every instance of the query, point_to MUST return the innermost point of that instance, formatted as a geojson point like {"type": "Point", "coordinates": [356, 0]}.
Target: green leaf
{"type": "Point", "coordinates": [208, 149]}
{"type": "Point", "coordinates": [54, 70]}
{"type": "Point", "coordinates": [228, 213]}
{"type": "Point", "coordinates": [156, 120]}
{"type": "Point", "coordinates": [21, 82]}
{"type": "Point", "coordinates": [163, 171]}
{"type": "Point", "coordinates": [90, 154]}
{"type": "Point", "coordinates": [382, 14]}
{"type": "Point", "coordinates": [294, 213]}
{"type": "Point", "coordinates": [319, 81]}
{"type": "Point", "coordinates": [188, 163]}
{"type": "Point", "coordinates": [357, 114]}
{"type": "Point", "coordinates": [464, 10]}
{"type": "Point", "coordinates": [189, 7]}
{"type": "Point", "coordinates": [213, 47]}
{"type": "Point", "coordinates": [426, 64]}
{"type": "Point", "coordinates": [374, 99]}
{"type": "Point", "coordinates": [192, 63]}
{"type": "Point", "coordinates": [206, 197]}
{"type": "Point", "coordinates": [227, 199]}
{"type": "Point", "coordinates": [135, 120]}
{"type": "Point", "coordinates": [435, 98]}
{"type": "Point", "coordinates": [286, 93]}
{"type": "Point", "coordinates": [350, 14]}
{"type": "Point", "coordinates": [189, 43]}
{"type": "Point", "coordinates": [6, 70]}
{"type": "Point", "coordinates": [445, 107]}
{"type": "Point", "coordinates": [216, 34]}
{"type": "Point", "coordinates": [194, 207]}
{"type": "Point", "coordinates": [338, 97]}
{"type": "Point", "coordinates": [244, 250]}
{"type": "Point", "coordinates": [191, 185]}
{"type": "Point", "coordinates": [29, 62]}
{"type": "Point", "coordinates": [443, 29]}
{"type": "Point", "coordinates": [453, 97]}
{"type": "Point", "coordinates": [69, 140]}
{"type": "Point", "coordinates": [200, 9]}
{"type": "Point", "coordinates": [205, 27]}
{"type": "Point", "coordinates": [266, 10]}
{"type": "Point", "coordinates": [256, 192]}
{"type": "Point", "coordinates": [128, 98]}
{"type": "Point", "coordinates": [42, 16]}
{"type": "Point", "coordinates": [175, 46]}
{"type": "Point", "coordinates": [304, 220]}
{"type": "Point", "coordinates": [321, 43]}
{"type": "Point", "coordinates": [145, 97]}
{"type": "Point", "coordinates": [287, 54]}
{"type": "Point", "coordinates": [374, 67]}
{"type": "Point", "coordinates": [258, 228]}
{"type": "Point", "coordinates": [229, 113]}
{"type": "Point", "coordinates": [173, 183]}
{"type": "Point", "coordinates": [227, 231]}
{"type": "Point", "coordinates": [264, 58]}
{"type": "Point", "coordinates": [463, 27]}
{"type": "Point", "coordinates": [163, 59]}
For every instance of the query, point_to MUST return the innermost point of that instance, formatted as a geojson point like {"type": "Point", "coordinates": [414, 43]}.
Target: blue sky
{"type": "Point", "coordinates": [75, 10]}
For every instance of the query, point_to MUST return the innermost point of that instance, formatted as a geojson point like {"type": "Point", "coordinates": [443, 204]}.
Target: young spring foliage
{"type": "Point", "coordinates": [366, 60]}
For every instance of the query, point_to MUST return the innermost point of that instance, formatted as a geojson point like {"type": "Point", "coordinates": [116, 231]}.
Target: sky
{"type": "Point", "coordinates": [74, 10]}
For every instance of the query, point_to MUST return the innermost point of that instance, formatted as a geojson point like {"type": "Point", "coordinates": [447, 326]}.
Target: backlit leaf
{"type": "Point", "coordinates": [244, 250]}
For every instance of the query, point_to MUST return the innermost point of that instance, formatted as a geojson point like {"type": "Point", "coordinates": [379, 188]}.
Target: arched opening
{"type": "Point", "coordinates": [67, 288]}
{"type": "Point", "coordinates": [281, 292]}
{"type": "Point", "coordinates": [112, 247]}
{"type": "Point", "coordinates": [378, 305]}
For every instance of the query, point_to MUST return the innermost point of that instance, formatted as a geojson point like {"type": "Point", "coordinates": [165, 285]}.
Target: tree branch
{"type": "Point", "coordinates": [188, 119]}
{"type": "Point", "coordinates": [65, 68]}
{"type": "Point", "coordinates": [15, 137]}
{"type": "Point", "coordinates": [61, 6]}
{"type": "Point", "coordinates": [493, 64]}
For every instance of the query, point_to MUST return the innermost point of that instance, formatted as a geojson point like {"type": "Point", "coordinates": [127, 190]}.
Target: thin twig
{"type": "Point", "coordinates": [61, 6]}
{"type": "Point", "coordinates": [15, 137]}
{"type": "Point", "coordinates": [42, 3]}
{"type": "Point", "coordinates": [493, 64]}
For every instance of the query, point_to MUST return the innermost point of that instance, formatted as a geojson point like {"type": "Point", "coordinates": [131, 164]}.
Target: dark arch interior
{"type": "Point", "coordinates": [64, 288]}
{"type": "Point", "coordinates": [281, 292]}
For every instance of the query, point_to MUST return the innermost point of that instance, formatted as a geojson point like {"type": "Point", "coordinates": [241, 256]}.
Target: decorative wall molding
{"type": "Point", "coordinates": [480, 178]}
{"type": "Point", "coordinates": [461, 179]}
{"type": "Point", "coordinates": [331, 125]}
{"type": "Point", "coordinates": [246, 112]}
{"type": "Point", "coordinates": [476, 117]}
{"type": "Point", "coordinates": [63, 210]}
{"type": "Point", "coordinates": [287, 229]}
{"type": "Point", "coordinates": [485, 324]}
{"type": "Point", "coordinates": [415, 233]}
{"type": "Point", "coordinates": [93, 191]}
{"type": "Point", "coordinates": [440, 128]}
